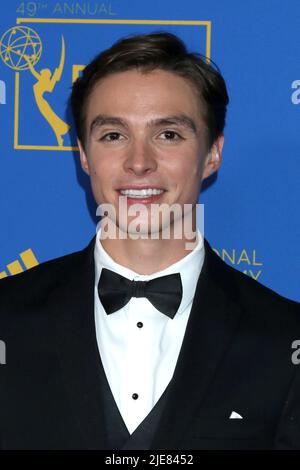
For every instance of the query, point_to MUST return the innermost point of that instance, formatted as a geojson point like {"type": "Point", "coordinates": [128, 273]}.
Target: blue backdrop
{"type": "Point", "coordinates": [251, 208]}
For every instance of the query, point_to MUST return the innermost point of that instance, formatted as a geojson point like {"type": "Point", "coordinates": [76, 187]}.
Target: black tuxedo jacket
{"type": "Point", "coordinates": [236, 357]}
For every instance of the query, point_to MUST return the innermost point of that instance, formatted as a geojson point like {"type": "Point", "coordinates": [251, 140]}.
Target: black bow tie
{"type": "Point", "coordinates": [164, 293]}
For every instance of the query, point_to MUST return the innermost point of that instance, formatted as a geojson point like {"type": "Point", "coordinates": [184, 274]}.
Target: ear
{"type": "Point", "coordinates": [214, 158]}
{"type": "Point", "coordinates": [83, 158]}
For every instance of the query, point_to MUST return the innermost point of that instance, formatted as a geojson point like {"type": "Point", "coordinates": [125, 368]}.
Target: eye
{"type": "Point", "coordinates": [170, 135]}
{"type": "Point", "coordinates": [111, 137]}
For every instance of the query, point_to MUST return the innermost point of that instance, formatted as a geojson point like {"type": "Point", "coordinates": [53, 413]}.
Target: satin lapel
{"type": "Point", "coordinates": [211, 326]}
{"type": "Point", "coordinates": [77, 348]}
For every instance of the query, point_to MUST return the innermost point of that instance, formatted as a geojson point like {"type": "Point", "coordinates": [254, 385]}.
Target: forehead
{"type": "Point", "coordinates": [134, 92]}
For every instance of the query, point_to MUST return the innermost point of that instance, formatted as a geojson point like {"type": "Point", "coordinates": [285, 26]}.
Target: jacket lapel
{"type": "Point", "coordinates": [213, 320]}
{"type": "Point", "coordinates": [77, 348]}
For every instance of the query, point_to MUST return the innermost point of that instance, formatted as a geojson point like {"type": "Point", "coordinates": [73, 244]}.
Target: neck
{"type": "Point", "coordinates": [147, 256]}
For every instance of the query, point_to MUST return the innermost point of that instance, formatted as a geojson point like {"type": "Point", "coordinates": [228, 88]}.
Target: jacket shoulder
{"type": "Point", "coordinates": [255, 298]}
{"type": "Point", "coordinates": [253, 295]}
{"type": "Point", "coordinates": [38, 282]}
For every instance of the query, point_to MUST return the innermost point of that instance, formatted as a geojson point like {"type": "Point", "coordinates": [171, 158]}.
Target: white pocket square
{"type": "Point", "coordinates": [235, 415]}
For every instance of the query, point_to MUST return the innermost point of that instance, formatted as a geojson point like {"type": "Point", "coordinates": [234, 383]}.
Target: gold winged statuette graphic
{"type": "Point", "coordinates": [46, 81]}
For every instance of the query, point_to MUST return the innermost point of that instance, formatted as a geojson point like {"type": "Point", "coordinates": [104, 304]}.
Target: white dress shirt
{"type": "Point", "coordinates": [138, 345]}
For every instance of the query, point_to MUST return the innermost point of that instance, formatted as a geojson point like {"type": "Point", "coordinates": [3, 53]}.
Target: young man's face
{"type": "Point", "coordinates": [144, 130]}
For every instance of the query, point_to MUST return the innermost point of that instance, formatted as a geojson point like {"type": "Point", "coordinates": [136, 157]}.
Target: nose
{"type": "Point", "coordinates": [140, 158]}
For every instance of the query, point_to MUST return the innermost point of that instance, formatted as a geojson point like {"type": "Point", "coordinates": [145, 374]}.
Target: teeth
{"type": "Point", "coordinates": [139, 193]}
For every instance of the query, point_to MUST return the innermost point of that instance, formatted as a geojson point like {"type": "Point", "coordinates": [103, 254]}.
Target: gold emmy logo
{"type": "Point", "coordinates": [21, 49]}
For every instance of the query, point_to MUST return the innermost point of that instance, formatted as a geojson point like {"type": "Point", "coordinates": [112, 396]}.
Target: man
{"type": "Point", "coordinates": [138, 342]}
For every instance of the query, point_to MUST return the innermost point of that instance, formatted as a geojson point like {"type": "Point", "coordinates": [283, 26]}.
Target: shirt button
{"type": "Point", "coordinates": [135, 396]}
{"type": "Point", "coordinates": [139, 324]}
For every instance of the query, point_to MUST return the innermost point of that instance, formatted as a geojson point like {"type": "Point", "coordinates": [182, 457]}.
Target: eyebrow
{"type": "Point", "coordinates": [179, 120]}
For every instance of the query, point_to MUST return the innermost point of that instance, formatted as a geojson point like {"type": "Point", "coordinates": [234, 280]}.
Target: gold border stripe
{"type": "Point", "coordinates": [85, 21]}
{"type": "Point", "coordinates": [94, 21]}
{"type": "Point", "coordinates": [16, 118]}
{"type": "Point", "coordinates": [44, 147]}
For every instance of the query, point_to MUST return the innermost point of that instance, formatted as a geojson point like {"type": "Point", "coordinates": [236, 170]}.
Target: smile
{"type": "Point", "coordinates": [141, 193]}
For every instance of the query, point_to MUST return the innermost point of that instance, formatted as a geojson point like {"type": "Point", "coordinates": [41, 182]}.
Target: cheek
{"type": "Point", "coordinates": [100, 169]}
{"type": "Point", "coordinates": [188, 168]}
{"type": "Point", "coordinates": [196, 168]}
{"type": "Point", "coordinates": [102, 177]}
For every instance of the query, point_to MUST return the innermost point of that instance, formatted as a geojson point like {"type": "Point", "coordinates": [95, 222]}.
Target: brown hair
{"type": "Point", "coordinates": [161, 50]}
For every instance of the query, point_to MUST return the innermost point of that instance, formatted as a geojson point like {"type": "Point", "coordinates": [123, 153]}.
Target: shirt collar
{"type": "Point", "coordinates": [189, 268]}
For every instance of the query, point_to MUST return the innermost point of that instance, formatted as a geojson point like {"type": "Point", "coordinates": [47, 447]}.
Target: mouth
{"type": "Point", "coordinates": [142, 196]}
